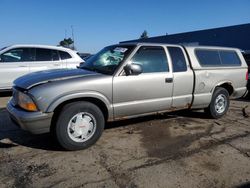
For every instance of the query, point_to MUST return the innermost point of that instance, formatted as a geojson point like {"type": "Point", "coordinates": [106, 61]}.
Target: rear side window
{"type": "Point", "coordinates": [43, 54]}
{"type": "Point", "coordinates": [55, 56]}
{"type": "Point", "coordinates": [208, 57]}
{"type": "Point", "coordinates": [152, 59]}
{"type": "Point", "coordinates": [222, 58]}
{"type": "Point", "coordinates": [178, 59]}
{"type": "Point", "coordinates": [64, 55]}
{"type": "Point", "coordinates": [229, 58]}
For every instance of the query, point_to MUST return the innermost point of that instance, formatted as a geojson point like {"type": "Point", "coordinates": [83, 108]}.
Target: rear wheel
{"type": "Point", "coordinates": [219, 104]}
{"type": "Point", "coordinates": [80, 125]}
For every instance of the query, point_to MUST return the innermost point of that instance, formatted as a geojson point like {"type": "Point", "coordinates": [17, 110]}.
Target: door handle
{"type": "Point", "coordinates": [22, 66]}
{"type": "Point", "coordinates": [168, 80]}
{"type": "Point", "coordinates": [57, 64]}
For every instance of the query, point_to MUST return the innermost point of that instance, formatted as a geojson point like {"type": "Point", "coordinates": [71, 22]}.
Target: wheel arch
{"type": "Point", "coordinates": [100, 101]}
{"type": "Point", "coordinates": [226, 85]}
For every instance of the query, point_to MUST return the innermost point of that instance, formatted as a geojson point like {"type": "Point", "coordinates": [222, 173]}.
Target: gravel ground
{"type": "Point", "coordinates": [180, 149]}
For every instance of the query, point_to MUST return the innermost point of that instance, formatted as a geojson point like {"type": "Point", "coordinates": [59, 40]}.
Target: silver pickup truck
{"type": "Point", "coordinates": [125, 81]}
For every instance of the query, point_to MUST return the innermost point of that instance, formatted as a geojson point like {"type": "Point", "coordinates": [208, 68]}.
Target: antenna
{"type": "Point", "coordinates": [65, 33]}
{"type": "Point", "coordinates": [73, 38]}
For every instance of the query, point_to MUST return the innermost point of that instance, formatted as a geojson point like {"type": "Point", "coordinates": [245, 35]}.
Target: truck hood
{"type": "Point", "coordinates": [37, 78]}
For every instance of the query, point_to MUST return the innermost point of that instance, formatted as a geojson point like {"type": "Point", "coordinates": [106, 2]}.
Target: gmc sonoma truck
{"type": "Point", "coordinates": [125, 81]}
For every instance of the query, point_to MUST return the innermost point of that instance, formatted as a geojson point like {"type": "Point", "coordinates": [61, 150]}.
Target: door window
{"type": "Point", "coordinates": [18, 55]}
{"type": "Point", "coordinates": [152, 59]}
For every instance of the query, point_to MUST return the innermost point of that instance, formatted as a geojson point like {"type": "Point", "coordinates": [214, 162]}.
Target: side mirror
{"type": "Point", "coordinates": [133, 69]}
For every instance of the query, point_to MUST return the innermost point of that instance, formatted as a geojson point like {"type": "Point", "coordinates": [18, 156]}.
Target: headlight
{"type": "Point", "coordinates": [25, 102]}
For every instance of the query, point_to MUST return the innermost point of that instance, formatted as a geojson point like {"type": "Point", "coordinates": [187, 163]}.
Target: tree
{"type": "Point", "coordinates": [67, 42]}
{"type": "Point", "coordinates": [144, 35]}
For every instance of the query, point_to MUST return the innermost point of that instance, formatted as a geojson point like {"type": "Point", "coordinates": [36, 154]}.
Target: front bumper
{"type": "Point", "coordinates": [34, 122]}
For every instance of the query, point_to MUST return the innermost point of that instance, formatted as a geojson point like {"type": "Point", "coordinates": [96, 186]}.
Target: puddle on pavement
{"type": "Point", "coordinates": [160, 139]}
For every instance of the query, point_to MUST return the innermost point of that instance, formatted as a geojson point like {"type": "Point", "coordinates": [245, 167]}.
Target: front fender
{"type": "Point", "coordinates": [88, 94]}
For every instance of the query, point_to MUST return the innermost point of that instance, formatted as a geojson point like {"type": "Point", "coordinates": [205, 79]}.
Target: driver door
{"type": "Point", "coordinates": [150, 91]}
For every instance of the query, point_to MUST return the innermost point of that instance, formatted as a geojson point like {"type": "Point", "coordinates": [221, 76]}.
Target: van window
{"type": "Point", "coordinates": [217, 57]}
{"type": "Point", "coordinates": [64, 55]}
{"type": "Point", "coordinates": [178, 59]}
{"type": "Point", "coordinates": [152, 59]}
{"type": "Point", "coordinates": [55, 56]}
{"type": "Point", "coordinates": [43, 54]}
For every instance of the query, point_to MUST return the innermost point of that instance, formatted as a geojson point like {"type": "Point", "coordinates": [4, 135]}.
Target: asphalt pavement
{"type": "Point", "coordinates": [179, 149]}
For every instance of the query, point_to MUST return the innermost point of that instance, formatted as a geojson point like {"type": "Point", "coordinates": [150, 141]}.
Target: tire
{"type": "Point", "coordinates": [79, 125]}
{"type": "Point", "coordinates": [219, 104]}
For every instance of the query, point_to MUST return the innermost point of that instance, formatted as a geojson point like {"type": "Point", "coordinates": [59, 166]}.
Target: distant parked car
{"type": "Point", "coordinates": [18, 60]}
{"type": "Point", "coordinates": [86, 58]}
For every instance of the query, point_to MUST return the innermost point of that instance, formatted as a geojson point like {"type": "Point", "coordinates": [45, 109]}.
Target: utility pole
{"type": "Point", "coordinates": [73, 38]}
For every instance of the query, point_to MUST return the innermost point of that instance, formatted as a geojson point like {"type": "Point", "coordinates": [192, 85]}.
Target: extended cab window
{"type": "Point", "coordinates": [217, 57]}
{"type": "Point", "coordinates": [64, 55]}
{"type": "Point", "coordinates": [18, 55]}
{"type": "Point", "coordinates": [152, 59]}
{"type": "Point", "coordinates": [178, 59]}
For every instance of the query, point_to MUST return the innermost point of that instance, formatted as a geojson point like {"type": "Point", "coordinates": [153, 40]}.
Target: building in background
{"type": "Point", "coordinates": [237, 36]}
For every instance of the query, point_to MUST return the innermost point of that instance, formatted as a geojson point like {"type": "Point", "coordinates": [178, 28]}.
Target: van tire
{"type": "Point", "coordinates": [79, 125]}
{"type": "Point", "coordinates": [219, 103]}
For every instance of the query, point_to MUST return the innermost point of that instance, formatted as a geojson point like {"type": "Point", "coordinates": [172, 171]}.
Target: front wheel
{"type": "Point", "coordinates": [219, 104]}
{"type": "Point", "coordinates": [80, 125]}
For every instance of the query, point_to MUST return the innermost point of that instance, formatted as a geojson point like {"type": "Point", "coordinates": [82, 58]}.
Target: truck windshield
{"type": "Point", "coordinates": [108, 59]}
